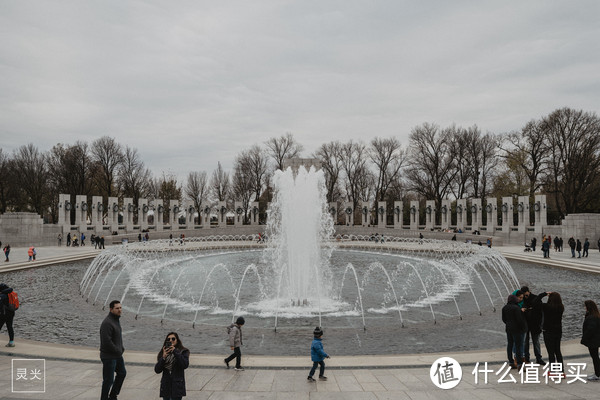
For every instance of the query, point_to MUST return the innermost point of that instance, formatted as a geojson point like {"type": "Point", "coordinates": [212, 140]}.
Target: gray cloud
{"type": "Point", "coordinates": [192, 83]}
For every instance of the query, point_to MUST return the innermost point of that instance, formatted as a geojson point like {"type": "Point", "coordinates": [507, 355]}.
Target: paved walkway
{"type": "Point", "coordinates": [75, 372]}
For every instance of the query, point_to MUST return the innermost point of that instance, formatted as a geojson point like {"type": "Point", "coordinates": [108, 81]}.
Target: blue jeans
{"type": "Point", "coordinates": [537, 350]}
{"type": "Point", "coordinates": [109, 367]}
{"type": "Point", "coordinates": [314, 368]}
{"type": "Point", "coordinates": [515, 340]}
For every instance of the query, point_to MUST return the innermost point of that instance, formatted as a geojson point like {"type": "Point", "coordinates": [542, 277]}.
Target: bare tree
{"type": "Point", "coordinates": [388, 157]}
{"type": "Point", "coordinates": [459, 145]}
{"type": "Point", "coordinates": [134, 178]}
{"type": "Point", "coordinates": [242, 183]}
{"type": "Point", "coordinates": [282, 148]}
{"type": "Point", "coordinates": [431, 167]}
{"type": "Point", "coordinates": [197, 188]}
{"type": "Point", "coordinates": [574, 138]}
{"type": "Point", "coordinates": [482, 156]}
{"type": "Point", "coordinates": [219, 184]}
{"type": "Point", "coordinates": [354, 165]}
{"type": "Point", "coordinates": [330, 155]}
{"type": "Point", "coordinates": [108, 157]}
{"type": "Point", "coordinates": [30, 176]}
{"type": "Point", "coordinates": [529, 151]}
{"type": "Point", "coordinates": [256, 162]}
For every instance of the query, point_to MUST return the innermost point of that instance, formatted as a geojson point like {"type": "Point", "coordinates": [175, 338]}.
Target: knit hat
{"type": "Point", "coordinates": [240, 321]}
{"type": "Point", "coordinates": [318, 331]}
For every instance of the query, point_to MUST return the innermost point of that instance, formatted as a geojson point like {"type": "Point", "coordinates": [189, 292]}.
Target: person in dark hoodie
{"type": "Point", "coordinates": [111, 353]}
{"type": "Point", "coordinates": [235, 342]}
{"type": "Point", "coordinates": [516, 327]}
{"type": "Point", "coordinates": [171, 361]}
{"type": "Point", "coordinates": [552, 313]}
{"type": "Point", "coordinates": [6, 314]}
{"type": "Point", "coordinates": [533, 316]}
{"type": "Point", "coordinates": [591, 336]}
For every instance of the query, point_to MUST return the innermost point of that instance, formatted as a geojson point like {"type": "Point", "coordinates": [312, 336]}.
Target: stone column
{"type": "Point", "coordinates": [81, 210]}
{"type": "Point", "coordinates": [541, 212]}
{"type": "Point", "coordinates": [398, 215]}
{"type": "Point", "coordinates": [492, 215]}
{"type": "Point", "coordinates": [349, 212]}
{"type": "Point", "coordinates": [143, 209]}
{"type": "Point", "coordinates": [112, 214]}
{"type": "Point", "coordinates": [333, 211]}
{"type": "Point", "coordinates": [365, 212]}
{"type": "Point", "coordinates": [222, 213]}
{"type": "Point", "coordinates": [475, 214]}
{"type": "Point", "coordinates": [429, 214]}
{"type": "Point", "coordinates": [414, 215]}
{"type": "Point", "coordinates": [174, 209]}
{"type": "Point", "coordinates": [128, 212]}
{"type": "Point", "coordinates": [523, 212]}
{"type": "Point", "coordinates": [64, 211]}
{"type": "Point", "coordinates": [382, 214]}
{"type": "Point", "coordinates": [507, 214]}
{"type": "Point", "coordinates": [461, 214]}
{"type": "Point", "coordinates": [159, 214]}
{"type": "Point", "coordinates": [238, 219]}
{"type": "Point", "coordinates": [190, 210]}
{"type": "Point", "coordinates": [446, 214]}
{"type": "Point", "coordinates": [254, 213]}
{"type": "Point", "coordinates": [97, 213]}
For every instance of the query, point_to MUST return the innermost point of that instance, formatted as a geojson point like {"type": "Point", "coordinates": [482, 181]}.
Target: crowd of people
{"type": "Point", "coordinates": [527, 317]}
{"type": "Point", "coordinates": [557, 243]}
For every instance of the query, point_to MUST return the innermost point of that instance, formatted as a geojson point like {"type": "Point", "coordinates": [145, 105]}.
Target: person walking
{"type": "Point", "coordinates": [552, 313]}
{"type": "Point", "coordinates": [235, 342]}
{"type": "Point", "coordinates": [533, 243]}
{"type": "Point", "coordinates": [59, 237]}
{"type": "Point", "coordinates": [6, 252]}
{"type": "Point", "coordinates": [578, 248]}
{"type": "Point", "coordinates": [586, 247]}
{"type": "Point", "coordinates": [572, 246]}
{"type": "Point", "coordinates": [317, 355]}
{"type": "Point", "coordinates": [516, 327]}
{"type": "Point", "coordinates": [591, 336]}
{"type": "Point", "coordinates": [69, 239]}
{"type": "Point", "coordinates": [6, 314]}
{"type": "Point", "coordinates": [111, 353]}
{"type": "Point", "coordinates": [172, 360]}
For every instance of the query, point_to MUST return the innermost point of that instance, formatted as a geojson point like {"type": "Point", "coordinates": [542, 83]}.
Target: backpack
{"type": "Point", "coordinates": [13, 301]}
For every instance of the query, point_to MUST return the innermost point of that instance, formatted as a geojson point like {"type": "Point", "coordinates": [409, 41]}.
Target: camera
{"type": "Point", "coordinates": [168, 344]}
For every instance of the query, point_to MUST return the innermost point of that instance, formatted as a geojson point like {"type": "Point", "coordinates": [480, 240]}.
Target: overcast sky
{"type": "Point", "coordinates": [190, 83]}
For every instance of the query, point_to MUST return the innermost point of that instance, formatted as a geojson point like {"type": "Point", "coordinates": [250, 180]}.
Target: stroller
{"type": "Point", "coordinates": [527, 247]}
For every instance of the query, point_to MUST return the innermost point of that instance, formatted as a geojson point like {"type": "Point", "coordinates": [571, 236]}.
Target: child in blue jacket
{"type": "Point", "coordinates": [317, 354]}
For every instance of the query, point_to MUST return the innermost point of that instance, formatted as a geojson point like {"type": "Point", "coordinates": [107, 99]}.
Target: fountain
{"type": "Point", "coordinates": [303, 275]}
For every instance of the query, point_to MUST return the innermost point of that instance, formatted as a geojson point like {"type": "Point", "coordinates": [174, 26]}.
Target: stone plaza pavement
{"type": "Point", "coordinates": [75, 372]}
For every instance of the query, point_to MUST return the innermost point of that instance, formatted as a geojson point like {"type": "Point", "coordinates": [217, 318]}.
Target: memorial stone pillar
{"type": "Point", "coordinates": [349, 212]}
{"type": "Point", "coordinates": [398, 215]}
{"type": "Point", "coordinates": [190, 210]}
{"type": "Point", "coordinates": [159, 214]}
{"type": "Point", "coordinates": [128, 213]}
{"type": "Point", "coordinates": [254, 213]}
{"type": "Point", "coordinates": [523, 213]}
{"type": "Point", "coordinates": [429, 214]}
{"type": "Point", "coordinates": [541, 212]}
{"type": "Point", "coordinates": [461, 214]}
{"type": "Point", "coordinates": [414, 215]}
{"type": "Point", "coordinates": [333, 211]}
{"type": "Point", "coordinates": [143, 209]}
{"type": "Point", "coordinates": [81, 210]}
{"type": "Point", "coordinates": [64, 212]}
{"type": "Point", "coordinates": [475, 214]}
{"type": "Point", "coordinates": [507, 214]}
{"type": "Point", "coordinates": [112, 214]}
{"type": "Point", "coordinates": [446, 214]}
{"type": "Point", "coordinates": [174, 214]}
{"type": "Point", "coordinates": [238, 219]}
{"type": "Point", "coordinates": [222, 213]}
{"type": "Point", "coordinates": [364, 212]}
{"type": "Point", "coordinates": [382, 214]}
{"type": "Point", "coordinates": [97, 214]}
{"type": "Point", "coordinates": [492, 215]}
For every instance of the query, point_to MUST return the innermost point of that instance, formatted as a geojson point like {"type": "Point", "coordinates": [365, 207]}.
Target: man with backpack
{"type": "Point", "coordinates": [9, 303]}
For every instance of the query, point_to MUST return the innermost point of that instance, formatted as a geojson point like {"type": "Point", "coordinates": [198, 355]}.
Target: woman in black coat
{"type": "Point", "coordinates": [591, 336]}
{"type": "Point", "coordinates": [172, 360]}
{"type": "Point", "coordinates": [552, 312]}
